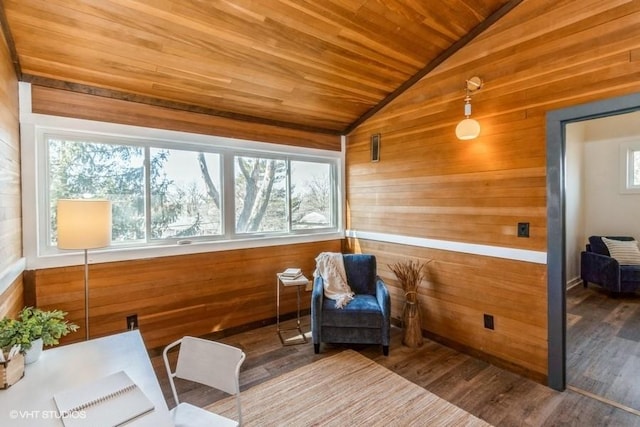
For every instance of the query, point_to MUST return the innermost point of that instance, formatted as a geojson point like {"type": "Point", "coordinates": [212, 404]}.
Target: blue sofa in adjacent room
{"type": "Point", "coordinates": [599, 267]}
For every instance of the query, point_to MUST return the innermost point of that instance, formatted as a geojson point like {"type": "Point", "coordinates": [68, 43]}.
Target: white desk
{"type": "Point", "coordinates": [29, 402]}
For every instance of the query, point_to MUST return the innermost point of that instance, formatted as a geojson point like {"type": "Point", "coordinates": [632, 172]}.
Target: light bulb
{"type": "Point", "coordinates": [468, 129]}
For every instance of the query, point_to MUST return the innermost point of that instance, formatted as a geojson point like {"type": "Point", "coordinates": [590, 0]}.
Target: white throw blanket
{"type": "Point", "coordinates": [330, 266]}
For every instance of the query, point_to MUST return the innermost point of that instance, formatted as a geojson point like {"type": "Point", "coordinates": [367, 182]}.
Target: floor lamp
{"type": "Point", "coordinates": [84, 224]}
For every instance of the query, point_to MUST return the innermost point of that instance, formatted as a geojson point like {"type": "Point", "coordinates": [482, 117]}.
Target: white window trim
{"type": "Point", "coordinates": [34, 126]}
{"type": "Point", "coordinates": [627, 147]}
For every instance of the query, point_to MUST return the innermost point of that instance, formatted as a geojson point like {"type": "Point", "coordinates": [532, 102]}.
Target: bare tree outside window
{"type": "Point", "coordinates": [312, 195]}
{"type": "Point", "coordinates": [260, 189]}
{"type": "Point", "coordinates": [185, 204]}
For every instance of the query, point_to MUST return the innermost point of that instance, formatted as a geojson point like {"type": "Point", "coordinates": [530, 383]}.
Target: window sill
{"type": "Point", "coordinates": [114, 254]}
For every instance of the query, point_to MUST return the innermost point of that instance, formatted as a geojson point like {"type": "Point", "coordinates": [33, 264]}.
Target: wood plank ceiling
{"type": "Point", "coordinates": [322, 65]}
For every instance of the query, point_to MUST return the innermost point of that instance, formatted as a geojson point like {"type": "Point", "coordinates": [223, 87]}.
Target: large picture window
{"type": "Point", "coordinates": [163, 194]}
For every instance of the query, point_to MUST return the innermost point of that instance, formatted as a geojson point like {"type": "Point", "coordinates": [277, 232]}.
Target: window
{"type": "Point", "coordinates": [165, 193]}
{"type": "Point", "coordinates": [185, 194]}
{"type": "Point", "coordinates": [265, 204]}
{"type": "Point", "coordinates": [81, 168]}
{"type": "Point", "coordinates": [634, 168]}
{"type": "Point", "coordinates": [260, 195]}
{"type": "Point", "coordinates": [312, 195]}
{"type": "Point", "coordinates": [630, 167]}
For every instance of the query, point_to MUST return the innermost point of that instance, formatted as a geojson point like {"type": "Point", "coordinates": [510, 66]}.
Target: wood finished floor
{"type": "Point", "coordinates": [603, 344]}
{"type": "Point", "coordinates": [493, 394]}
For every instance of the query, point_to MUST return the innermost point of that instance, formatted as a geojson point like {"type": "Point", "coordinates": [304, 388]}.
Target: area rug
{"type": "Point", "coordinates": [347, 389]}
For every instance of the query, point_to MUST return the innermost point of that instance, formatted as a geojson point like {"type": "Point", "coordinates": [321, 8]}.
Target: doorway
{"type": "Point", "coordinates": [603, 331]}
{"type": "Point", "coordinates": [556, 245]}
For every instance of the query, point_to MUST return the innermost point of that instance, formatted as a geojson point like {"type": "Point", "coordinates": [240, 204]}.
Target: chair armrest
{"type": "Point", "coordinates": [317, 295]}
{"type": "Point", "coordinates": [600, 269]}
{"type": "Point", "coordinates": [384, 300]}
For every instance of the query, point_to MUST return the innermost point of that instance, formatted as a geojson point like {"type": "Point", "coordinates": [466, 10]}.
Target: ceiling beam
{"type": "Point", "coordinates": [466, 39]}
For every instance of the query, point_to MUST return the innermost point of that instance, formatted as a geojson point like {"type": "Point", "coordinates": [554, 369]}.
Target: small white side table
{"type": "Point", "coordinates": [298, 283]}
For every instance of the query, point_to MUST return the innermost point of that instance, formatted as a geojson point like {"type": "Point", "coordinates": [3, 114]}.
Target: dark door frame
{"type": "Point", "coordinates": [556, 274]}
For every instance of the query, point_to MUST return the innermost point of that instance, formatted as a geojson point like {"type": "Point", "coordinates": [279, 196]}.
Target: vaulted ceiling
{"type": "Point", "coordinates": [323, 65]}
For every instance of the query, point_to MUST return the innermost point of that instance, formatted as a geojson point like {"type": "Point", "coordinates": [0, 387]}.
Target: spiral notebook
{"type": "Point", "coordinates": [110, 401]}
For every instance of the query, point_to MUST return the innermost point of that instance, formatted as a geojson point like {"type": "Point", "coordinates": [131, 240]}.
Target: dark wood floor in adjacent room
{"type": "Point", "coordinates": [493, 394]}
{"type": "Point", "coordinates": [603, 345]}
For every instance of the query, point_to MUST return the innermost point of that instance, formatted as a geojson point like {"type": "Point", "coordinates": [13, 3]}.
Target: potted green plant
{"type": "Point", "coordinates": [34, 329]}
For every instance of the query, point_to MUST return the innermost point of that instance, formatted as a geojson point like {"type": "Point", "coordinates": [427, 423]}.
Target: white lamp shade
{"type": "Point", "coordinates": [84, 223]}
{"type": "Point", "coordinates": [468, 129]}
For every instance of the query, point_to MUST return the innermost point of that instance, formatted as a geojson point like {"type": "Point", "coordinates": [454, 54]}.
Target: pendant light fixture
{"type": "Point", "coordinates": [469, 128]}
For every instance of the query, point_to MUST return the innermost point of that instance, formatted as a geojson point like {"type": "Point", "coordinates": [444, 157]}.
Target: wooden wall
{"type": "Point", "coordinates": [174, 296]}
{"type": "Point", "coordinates": [57, 102]}
{"type": "Point", "coordinates": [12, 299]}
{"type": "Point", "coordinates": [542, 56]}
{"type": "Point", "coordinates": [10, 202]}
{"type": "Point", "coordinates": [180, 295]}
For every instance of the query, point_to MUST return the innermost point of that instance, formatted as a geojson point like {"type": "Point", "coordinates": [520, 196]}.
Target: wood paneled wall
{"type": "Point", "coordinates": [181, 295]}
{"type": "Point", "coordinates": [174, 296]}
{"type": "Point", "coordinates": [542, 56]}
{"type": "Point", "coordinates": [459, 288]}
{"type": "Point", "coordinates": [10, 201]}
{"type": "Point", "coordinates": [12, 299]}
{"type": "Point", "coordinates": [58, 102]}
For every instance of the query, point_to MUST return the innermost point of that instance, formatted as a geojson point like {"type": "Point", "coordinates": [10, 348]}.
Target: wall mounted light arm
{"type": "Point", "coordinates": [469, 128]}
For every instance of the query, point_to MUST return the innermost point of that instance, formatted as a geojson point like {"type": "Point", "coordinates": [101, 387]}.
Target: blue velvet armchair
{"type": "Point", "coordinates": [365, 320]}
{"type": "Point", "coordinates": [597, 266]}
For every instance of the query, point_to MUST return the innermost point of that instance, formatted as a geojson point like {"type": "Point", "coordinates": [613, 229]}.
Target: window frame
{"type": "Point", "coordinates": [627, 149]}
{"type": "Point", "coordinates": [148, 201]}
{"type": "Point", "coordinates": [35, 158]}
{"type": "Point", "coordinates": [234, 234]}
{"type": "Point", "coordinates": [291, 231]}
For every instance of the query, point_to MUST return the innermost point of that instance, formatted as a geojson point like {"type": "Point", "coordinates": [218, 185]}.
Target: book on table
{"type": "Point", "coordinates": [300, 280]}
{"type": "Point", "coordinates": [291, 274]}
{"type": "Point", "coordinates": [110, 401]}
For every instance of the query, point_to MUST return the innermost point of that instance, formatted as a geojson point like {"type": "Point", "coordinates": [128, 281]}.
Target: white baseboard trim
{"type": "Point", "coordinates": [574, 282]}
{"type": "Point", "coordinates": [470, 248]}
{"type": "Point", "coordinates": [11, 273]}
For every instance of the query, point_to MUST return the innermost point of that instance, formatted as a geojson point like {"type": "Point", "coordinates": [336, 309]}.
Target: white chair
{"type": "Point", "coordinates": [210, 363]}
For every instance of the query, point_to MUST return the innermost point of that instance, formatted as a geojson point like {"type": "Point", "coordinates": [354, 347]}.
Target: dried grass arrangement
{"type": "Point", "coordinates": [410, 274]}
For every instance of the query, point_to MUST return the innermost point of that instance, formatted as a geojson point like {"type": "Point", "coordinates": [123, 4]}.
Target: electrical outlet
{"type": "Point", "coordinates": [488, 321]}
{"type": "Point", "coordinates": [132, 322]}
{"type": "Point", "coordinates": [523, 229]}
